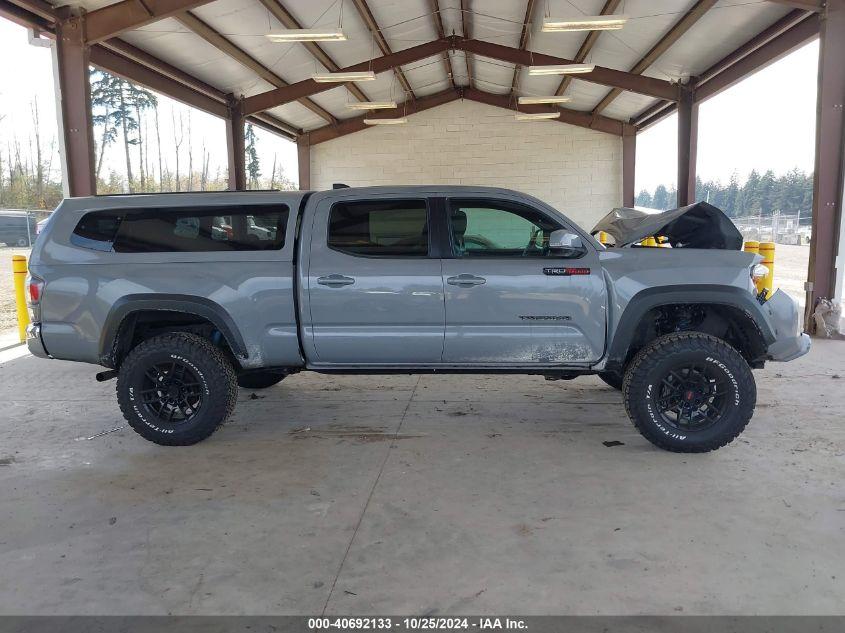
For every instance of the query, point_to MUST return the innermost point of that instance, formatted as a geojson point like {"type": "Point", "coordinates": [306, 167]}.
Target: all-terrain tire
{"type": "Point", "coordinates": [259, 379]}
{"type": "Point", "coordinates": [666, 361]}
{"type": "Point", "coordinates": [612, 379]}
{"type": "Point", "coordinates": [211, 377]}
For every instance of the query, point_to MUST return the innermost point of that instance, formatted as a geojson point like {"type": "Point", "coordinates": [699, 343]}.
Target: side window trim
{"type": "Point", "coordinates": [429, 213]}
{"type": "Point", "coordinates": [503, 204]}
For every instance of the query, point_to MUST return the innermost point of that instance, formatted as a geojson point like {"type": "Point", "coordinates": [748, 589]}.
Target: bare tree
{"type": "Point", "coordinates": [178, 137]}
{"type": "Point", "coordinates": [190, 156]}
{"type": "Point", "coordinates": [158, 146]}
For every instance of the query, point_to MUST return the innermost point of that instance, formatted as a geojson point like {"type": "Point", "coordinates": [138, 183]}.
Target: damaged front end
{"type": "Point", "coordinates": [699, 225]}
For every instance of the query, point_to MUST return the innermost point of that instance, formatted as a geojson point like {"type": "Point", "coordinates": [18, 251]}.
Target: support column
{"type": "Point", "coordinates": [830, 155]}
{"type": "Point", "coordinates": [629, 165]}
{"type": "Point", "coordinates": [303, 155]}
{"type": "Point", "coordinates": [77, 142]}
{"type": "Point", "coordinates": [687, 147]}
{"type": "Point", "coordinates": [235, 149]}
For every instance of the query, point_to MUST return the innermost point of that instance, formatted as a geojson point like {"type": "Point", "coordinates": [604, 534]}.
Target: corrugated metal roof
{"type": "Point", "coordinates": [407, 23]}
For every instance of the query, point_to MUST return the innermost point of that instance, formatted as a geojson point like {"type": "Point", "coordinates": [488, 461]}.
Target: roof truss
{"type": "Point", "coordinates": [114, 19]}
{"type": "Point", "coordinates": [663, 44]}
{"type": "Point", "coordinates": [370, 20]}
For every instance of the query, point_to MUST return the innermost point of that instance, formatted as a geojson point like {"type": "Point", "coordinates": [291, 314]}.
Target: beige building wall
{"type": "Point", "coordinates": [576, 170]}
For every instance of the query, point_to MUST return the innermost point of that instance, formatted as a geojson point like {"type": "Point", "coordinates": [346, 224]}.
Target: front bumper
{"type": "Point", "coordinates": [34, 342]}
{"type": "Point", "coordinates": [790, 342]}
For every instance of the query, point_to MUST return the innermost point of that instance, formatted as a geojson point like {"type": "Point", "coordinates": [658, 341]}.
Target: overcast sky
{"type": "Point", "coordinates": [762, 123]}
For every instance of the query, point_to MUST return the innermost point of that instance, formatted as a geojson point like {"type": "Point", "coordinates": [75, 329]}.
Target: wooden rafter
{"type": "Point", "coordinates": [592, 37]}
{"type": "Point", "coordinates": [370, 20]}
{"type": "Point", "coordinates": [523, 38]}
{"type": "Point", "coordinates": [663, 44]}
{"type": "Point", "coordinates": [286, 19]}
{"type": "Point", "coordinates": [197, 26]}
{"type": "Point", "coordinates": [438, 26]}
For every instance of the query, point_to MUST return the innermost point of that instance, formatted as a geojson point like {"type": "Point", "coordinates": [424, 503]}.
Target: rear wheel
{"type": "Point", "coordinates": [259, 379]}
{"type": "Point", "coordinates": [689, 392]}
{"type": "Point", "coordinates": [176, 389]}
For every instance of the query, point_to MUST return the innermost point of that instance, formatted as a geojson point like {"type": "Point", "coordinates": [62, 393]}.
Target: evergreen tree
{"type": "Point", "coordinates": [661, 198]}
{"type": "Point", "coordinates": [643, 199]}
{"type": "Point", "coordinates": [253, 167]}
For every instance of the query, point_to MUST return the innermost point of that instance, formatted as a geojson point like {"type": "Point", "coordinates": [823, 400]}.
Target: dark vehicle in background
{"type": "Point", "coordinates": [17, 228]}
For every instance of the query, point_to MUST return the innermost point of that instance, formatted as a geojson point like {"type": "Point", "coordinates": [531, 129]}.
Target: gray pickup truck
{"type": "Point", "coordinates": [183, 297]}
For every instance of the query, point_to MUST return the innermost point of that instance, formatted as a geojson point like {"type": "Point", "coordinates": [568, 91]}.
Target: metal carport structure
{"type": "Point", "coordinates": [212, 55]}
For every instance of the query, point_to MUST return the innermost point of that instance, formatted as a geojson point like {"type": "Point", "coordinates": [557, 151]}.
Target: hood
{"type": "Point", "coordinates": [699, 225]}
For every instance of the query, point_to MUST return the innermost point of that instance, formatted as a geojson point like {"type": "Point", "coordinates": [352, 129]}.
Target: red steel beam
{"type": "Point", "coordinates": [466, 27]}
{"type": "Point", "coordinates": [830, 156]}
{"type": "Point", "coordinates": [235, 149]}
{"type": "Point", "coordinates": [356, 124]}
{"type": "Point", "coordinates": [438, 26]}
{"type": "Point", "coordinates": [193, 23]}
{"type": "Point", "coordinates": [75, 96]}
{"type": "Point", "coordinates": [308, 87]}
{"type": "Point", "coordinates": [24, 17]}
{"type": "Point", "coordinates": [287, 20]}
{"type": "Point", "coordinates": [629, 165]}
{"type": "Point", "coordinates": [303, 159]}
{"type": "Point", "coordinates": [39, 7]}
{"type": "Point", "coordinates": [768, 53]}
{"type": "Point", "coordinates": [806, 5]}
{"type": "Point", "coordinates": [114, 19]}
{"type": "Point", "coordinates": [523, 38]}
{"type": "Point", "coordinates": [130, 70]}
{"type": "Point", "coordinates": [592, 37]}
{"type": "Point", "coordinates": [605, 76]}
{"type": "Point", "coordinates": [663, 44]}
{"type": "Point", "coordinates": [370, 21]}
{"type": "Point", "coordinates": [687, 148]}
{"type": "Point", "coordinates": [572, 117]}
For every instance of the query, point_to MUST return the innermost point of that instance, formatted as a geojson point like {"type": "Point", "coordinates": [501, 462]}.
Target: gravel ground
{"type": "Point", "coordinates": [790, 274]}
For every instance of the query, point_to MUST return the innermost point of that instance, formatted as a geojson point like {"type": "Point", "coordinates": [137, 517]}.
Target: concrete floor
{"type": "Point", "coordinates": [420, 495]}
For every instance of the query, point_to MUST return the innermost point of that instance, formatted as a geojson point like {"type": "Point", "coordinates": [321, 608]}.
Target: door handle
{"type": "Point", "coordinates": [335, 281]}
{"type": "Point", "coordinates": [466, 281]}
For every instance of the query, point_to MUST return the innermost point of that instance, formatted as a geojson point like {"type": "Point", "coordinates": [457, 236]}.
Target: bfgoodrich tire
{"type": "Point", "coordinates": [176, 389]}
{"type": "Point", "coordinates": [259, 379]}
{"type": "Point", "coordinates": [689, 392]}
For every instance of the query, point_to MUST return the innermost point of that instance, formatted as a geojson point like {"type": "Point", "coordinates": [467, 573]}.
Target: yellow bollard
{"type": "Point", "coordinates": [767, 250]}
{"type": "Point", "coordinates": [751, 247]}
{"type": "Point", "coordinates": [602, 237]}
{"type": "Point", "coordinates": [19, 274]}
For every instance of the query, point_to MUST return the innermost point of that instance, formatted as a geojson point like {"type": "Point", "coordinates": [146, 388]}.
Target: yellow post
{"type": "Point", "coordinates": [767, 250]}
{"type": "Point", "coordinates": [752, 247]}
{"type": "Point", "coordinates": [602, 237]}
{"type": "Point", "coordinates": [649, 241]}
{"type": "Point", "coordinates": [19, 274]}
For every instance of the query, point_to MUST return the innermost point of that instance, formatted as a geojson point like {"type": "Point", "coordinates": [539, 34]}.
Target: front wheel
{"type": "Point", "coordinates": [176, 389]}
{"type": "Point", "coordinates": [689, 392]}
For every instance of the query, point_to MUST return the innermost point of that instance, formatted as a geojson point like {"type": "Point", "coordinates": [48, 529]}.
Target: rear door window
{"type": "Point", "coordinates": [380, 228]}
{"type": "Point", "coordinates": [184, 229]}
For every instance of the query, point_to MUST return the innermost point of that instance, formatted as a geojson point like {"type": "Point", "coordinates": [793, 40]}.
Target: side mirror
{"type": "Point", "coordinates": [566, 244]}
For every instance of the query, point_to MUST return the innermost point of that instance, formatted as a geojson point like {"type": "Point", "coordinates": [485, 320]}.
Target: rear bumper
{"type": "Point", "coordinates": [34, 342]}
{"type": "Point", "coordinates": [790, 342]}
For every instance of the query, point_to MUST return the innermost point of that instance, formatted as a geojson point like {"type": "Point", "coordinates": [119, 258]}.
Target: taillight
{"type": "Point", "coordinates": [35, 288]}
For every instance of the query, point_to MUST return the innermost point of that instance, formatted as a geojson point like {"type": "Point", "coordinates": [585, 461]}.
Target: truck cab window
{"type": "Point", "coordinates": [492, 229]}
{"type": "Point", "coordinates": [382, 228]}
